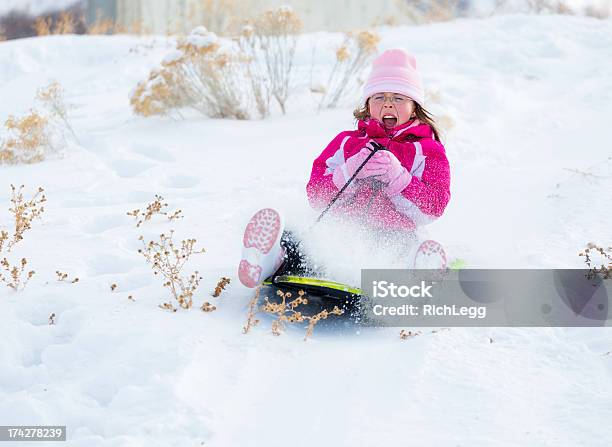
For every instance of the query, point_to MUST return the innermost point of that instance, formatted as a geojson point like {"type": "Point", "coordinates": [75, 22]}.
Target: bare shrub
{"type": "Point", "coordinates": [14, 274]}
{"type": "Point", "coordinates": [168, 260]}
{"type": "Point", "coordinates": [52, 99]}
{"type": "Point", "coordinates": [352, 57]}
{"type": "Point", "coordinates": [605, 255]}
{"type": "Point", "coordinates": [157, 206]}
{"type": "Point", "coordinates": [201, 74]}
{"type": "Point", "coordinates": [286, 312]}
{"type": "Point", "coordinates": [38, 134]}
{"type": "Point", "coordinates": [28, 140]}
{"type": "Point", "coordinates": [24, 212]}
{"type": "Point", "coordinates": [63, 277]}
{"type": "Point", "coordinates": [270, 42]}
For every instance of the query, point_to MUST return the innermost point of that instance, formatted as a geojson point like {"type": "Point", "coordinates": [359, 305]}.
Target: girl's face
{"type": "Point", "coordinates": [391, 109]}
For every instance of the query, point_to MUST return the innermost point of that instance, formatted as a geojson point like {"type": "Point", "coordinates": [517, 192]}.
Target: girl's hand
{"type": "Point", "coordinates": [395, 176]}
{"type": "Point", "coordinates": [373, 167]}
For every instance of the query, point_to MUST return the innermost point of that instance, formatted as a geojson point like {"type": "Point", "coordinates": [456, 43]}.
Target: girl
{"type": "Point", "coordinates": [399, 189]}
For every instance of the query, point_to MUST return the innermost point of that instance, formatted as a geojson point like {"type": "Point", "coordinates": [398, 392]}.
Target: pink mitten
{"type": "Point", "coordinates": [396, 176]}
{"type": "Point", "coordinates": [373, 167]}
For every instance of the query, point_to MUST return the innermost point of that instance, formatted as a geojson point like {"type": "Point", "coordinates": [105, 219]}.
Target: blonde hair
{"type": "Point", "coordinates": [363, 113]}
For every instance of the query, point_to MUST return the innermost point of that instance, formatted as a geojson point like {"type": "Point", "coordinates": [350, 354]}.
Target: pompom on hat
{"type": "Point", "coordinates": [395, 71]}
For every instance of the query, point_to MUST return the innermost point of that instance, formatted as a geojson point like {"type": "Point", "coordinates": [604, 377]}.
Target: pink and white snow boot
{"type": "Point", "coordinates": [262, 253]}
{"type": "Point", "coordinates": [429, 255]}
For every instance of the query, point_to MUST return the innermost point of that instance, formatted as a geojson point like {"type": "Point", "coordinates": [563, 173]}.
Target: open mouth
{"type": "Point", "coordinates": [389, 120]}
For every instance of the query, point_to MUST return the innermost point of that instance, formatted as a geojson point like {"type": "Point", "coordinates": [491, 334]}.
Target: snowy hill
{"type": "Point", "coordinates": [530, 99]}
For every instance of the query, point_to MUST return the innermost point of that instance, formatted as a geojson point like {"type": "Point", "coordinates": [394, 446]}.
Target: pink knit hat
{"type": "Point", "coordinates": [395, 71]}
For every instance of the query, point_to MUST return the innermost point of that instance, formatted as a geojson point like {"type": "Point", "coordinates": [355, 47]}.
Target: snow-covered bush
{"type": "Point", "coordinates": [224, 78]}
{"type": "Point", "coordinates": [352, 57]}
{"type": "Point", "coordinates": [38, 134]}
{"type": "Point", "coordinates": [201, 74]}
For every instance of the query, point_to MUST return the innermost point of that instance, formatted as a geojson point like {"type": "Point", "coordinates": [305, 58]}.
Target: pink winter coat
{"type": "Point", "coordinates": [413, 143]}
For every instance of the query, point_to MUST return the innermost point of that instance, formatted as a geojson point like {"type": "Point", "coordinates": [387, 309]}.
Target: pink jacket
{"type": "Point", "coordinates": [413, 143]}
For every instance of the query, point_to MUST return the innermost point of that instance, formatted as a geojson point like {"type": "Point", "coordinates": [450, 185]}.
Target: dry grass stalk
{"type": "Point", "coordinates": [168, 260]}
{"type": "Point", "coordinates": [270, 43]}
{"type": "Point", "coordinates": [352, 58]}
{"type": "Point", "coordinates": [61, 276]}
{"type": "Point", "coordinates": [165, 306]}
{"type": "Point", "coordinates": [155, 207]}
{"type": "Point", "coordinates": [605, 254]}
{"type": "Point", "coordinates": [176, 215]}
{"type": "Point", "coordinates": [207, 307]}
{"type": "Point", "coordinates": [13, 277]}
{"type": "Point", "coordinates": [223, 282]}
{"type": "Point", "coordinates": [286, 312]}
{"type": "Point", "coordinates": [3, 239]}
{"type": "Point", "coordinates": [404, 334]}
{"type": "Point", "coordinates": [251, 320]}
{"type": "Point", "coordinates": [52, 98]}
{"type": "Point", "coordinates": [25, 212]}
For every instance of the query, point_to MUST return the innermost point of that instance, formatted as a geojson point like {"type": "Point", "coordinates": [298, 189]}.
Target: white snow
{"type": "Point", "coordinates": [530, 97]}
{"type": "Point", "coordinates": [35, 7]}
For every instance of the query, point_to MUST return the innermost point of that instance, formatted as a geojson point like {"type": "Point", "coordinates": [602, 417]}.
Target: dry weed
{"type": "Point", "coordinates": [168, 260]}
{"type": "Point", "coordinates": [62, 277]}
{"type": "Point", "coordinates": [251, 320]}
{"type": "Point", "coordinates": [155, 207]}
{"type": "Point", "coordinates": [352, 57]}
{"type": "Point", "coordinates": [34, 136]}
{"type": "Point", "coordinates": [13, 277]}
{"type": "Point", "coordinates": [52, 98]}
{"type": "Point", "coordinates": [606, 256]}
{"type": "Point", "coordinates": [286, 312]}
{"type": "Point", "coordinates": [165, 306]}
{"type": "Point", "coordinates": [4, 236]}
{"type": "Point", "coordinates": [270, 42]}
{"type": "Point", "coordinates": [52, 318]}
{"type": "Point", "coordinates": [28, 141]}
{"type": "Point", "coordinates": [207, 307]}
{"type": "Point", "coordinates": [24, 212]}
{"type": "Point", "coordinates": [404, 334]}
{"type": "Point", "coordinates": [223, 282]}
